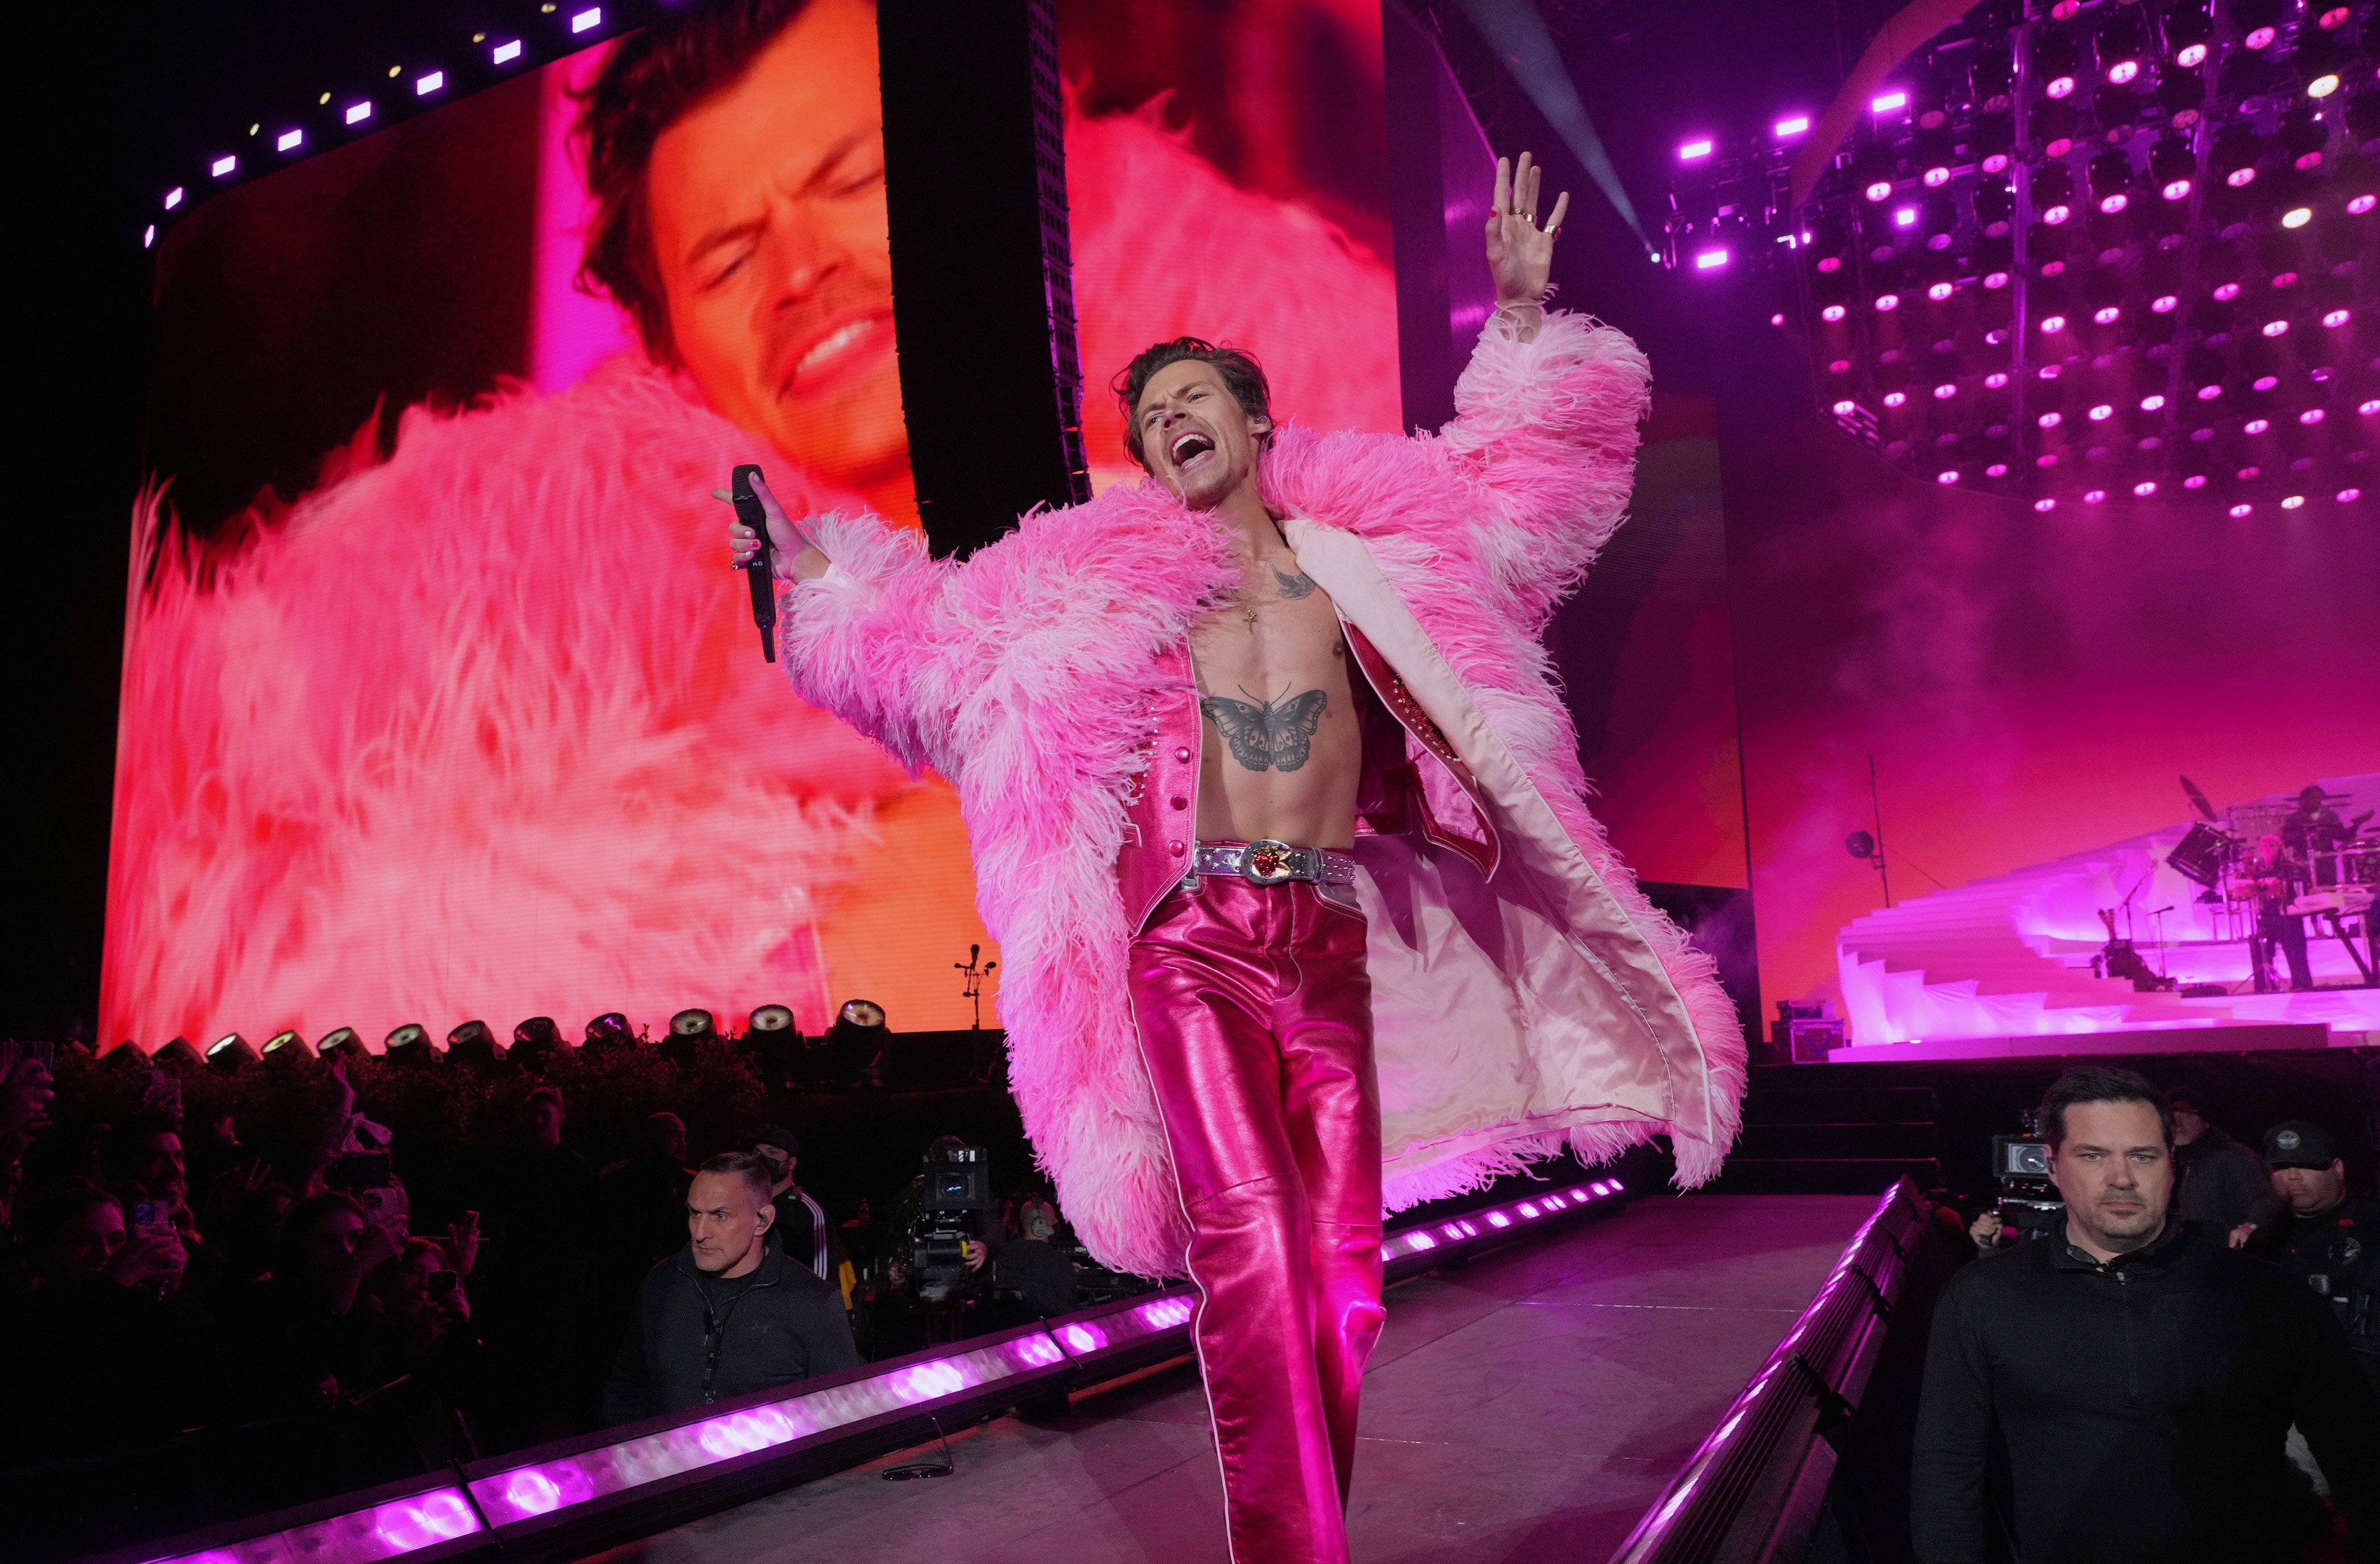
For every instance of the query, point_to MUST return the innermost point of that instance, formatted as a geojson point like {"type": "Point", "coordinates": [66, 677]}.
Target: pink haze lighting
{"type": "Point", "coordinates": [1996, 279]}
{"type": "Point", "coordinates": [1888, 302]}
{"type": "Point", "coordinates": [2052, 324]}
{"type": "Point", "coordinates": [2368, 408]}
{"type": "Point", "coordinates": [1710, 260]}
{"type": "Point", "coordinates": [591, 16]}
{"type": "Point", "coordinates": [2102, 413]}
{"type": "Point", "coordinates": [1794, 126]}
{"type": "Point", "coordinates": [2224, 292]}
{"type": "Point", "coordinates": [1694, 150]}
{"type": "Point", "coordinates": [2209, 393]}
{"type": "Point", "coordinates": [2248, 472]}
{"type": "Point", "coordinates": [358, 112]}
{"type": "Point", "coordinates": [2260, 37]}
{"type": "Point", "coordinates": [2266, 382]}
{"type": "Point", "coordinates": [1998, 469]}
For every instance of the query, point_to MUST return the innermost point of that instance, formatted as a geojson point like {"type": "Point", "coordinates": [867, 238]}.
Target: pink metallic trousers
{"type": "Point", "coordinates": [1255, 1018]}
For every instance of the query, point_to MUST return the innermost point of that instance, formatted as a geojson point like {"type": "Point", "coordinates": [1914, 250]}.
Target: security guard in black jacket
{"type": "Point", "coordinates": [728, 1315]}
{"type": "Point", "coordinates": [2328, 1238]}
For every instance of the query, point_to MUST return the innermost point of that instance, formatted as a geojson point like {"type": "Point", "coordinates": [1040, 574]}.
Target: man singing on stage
{"type": "Point", "coordinates": [1280, 822]}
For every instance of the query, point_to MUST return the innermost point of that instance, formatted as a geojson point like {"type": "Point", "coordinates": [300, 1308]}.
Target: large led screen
{"type": "Point", "coordinates": [440, 701]}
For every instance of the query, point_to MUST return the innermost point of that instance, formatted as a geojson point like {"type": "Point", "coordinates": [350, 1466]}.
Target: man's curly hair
{"type": "Point", "coordinates": [1241, 376]}
{"type": "Point", "coordinates": [655, 77]}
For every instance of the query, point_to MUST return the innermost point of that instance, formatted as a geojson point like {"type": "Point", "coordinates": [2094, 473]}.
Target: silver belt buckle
{"type": "Point", "coordinates": [1266, 862]}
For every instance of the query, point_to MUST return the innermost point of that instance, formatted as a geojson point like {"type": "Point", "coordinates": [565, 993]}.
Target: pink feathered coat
{"type": "Point", "coordinates": [1542, 1005]}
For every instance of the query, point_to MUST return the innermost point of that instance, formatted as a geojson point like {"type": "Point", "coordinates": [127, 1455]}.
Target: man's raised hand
{"type": "Point", "coordinates": [1520, 252]}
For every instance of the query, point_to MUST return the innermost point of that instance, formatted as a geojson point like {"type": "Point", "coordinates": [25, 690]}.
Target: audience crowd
{"type": "Point", "coordinates": [235, 1284]}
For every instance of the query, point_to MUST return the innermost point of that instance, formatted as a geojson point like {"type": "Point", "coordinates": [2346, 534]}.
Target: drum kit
{"type": "Point", "coordinates": [2327, 870]}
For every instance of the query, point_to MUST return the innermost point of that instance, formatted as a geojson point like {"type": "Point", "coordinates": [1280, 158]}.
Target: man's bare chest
{"type": "Point", "coordinates": [1272, 670]}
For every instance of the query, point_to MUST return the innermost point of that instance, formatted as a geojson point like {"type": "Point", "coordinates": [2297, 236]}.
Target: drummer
{"type": "Point", "coordinates": [2313, 833]}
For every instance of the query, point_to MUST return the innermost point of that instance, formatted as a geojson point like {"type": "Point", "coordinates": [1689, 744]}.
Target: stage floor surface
{"type": "Point", "coordinates": [1528, 1408]}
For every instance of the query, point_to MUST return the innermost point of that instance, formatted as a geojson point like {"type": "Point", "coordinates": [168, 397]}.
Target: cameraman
{"type": "Point", "coordinates": [729, 1314]}
{"type": "Point", "coordinates": [1034, 1268]}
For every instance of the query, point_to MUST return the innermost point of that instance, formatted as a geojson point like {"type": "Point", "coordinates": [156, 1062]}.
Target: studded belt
{"type": "Point", "coordinates": [1266, 862]}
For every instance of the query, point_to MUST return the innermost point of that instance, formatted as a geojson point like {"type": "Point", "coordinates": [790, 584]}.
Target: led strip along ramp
{"type": "Point", "coordinates": [579, 1494]}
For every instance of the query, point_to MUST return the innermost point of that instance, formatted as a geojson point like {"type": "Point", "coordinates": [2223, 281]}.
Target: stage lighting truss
{"type": "Point", "coordinates": [2095, 251]}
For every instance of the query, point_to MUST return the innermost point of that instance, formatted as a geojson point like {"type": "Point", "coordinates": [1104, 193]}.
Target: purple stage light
{"type": "Point", "coordinates": [2361, 204]}
{"type": "Point", "coordinates": [1996, 279]}
{"type": "Point", "coordinates": [1936, 177]}
{"type": "Point", "coordinates": [2122, 71]}
{"type": "Point", "coordinates": [1527, 1209]}
{"type": "Point", "coordinates": [1845, 409]}
{"type": "Point", "coordinates": [505, 54]}
{"type": "Point", "coordinates": [2093, 497]}
{"type": "Point", "coordinates": [2045, 505]}
{"type": "Point", "coordinates": [174, 198]}
{"type": "Point", "coordinates": [2369, 408]}
{"type": "Point", "coordinates": [1710, 260]}
{"type": "Point", "coordinates": [2047, 459]}
{"type": "Point", "coordinates": [1831, 312]}
{"type": "Point", "coordinates": [224, 167]}
{"type": "Point", "coordinates": [591, 16]}
{"type": "Point", "coordinates": [1694, 150]}
{"type": "Point", "coordinates": [1420, 1240]}
{"type": "Point", "coordinates": [2106, 314]}
{"type": "Point", "coordinates": [2164, 304]}
{"type": "Point", "coordinates": [1794, 126]}
{"type": "Point", "coordinates": [1777, 319]}
{"type": "Point", "coordinates": [2348, 496]}
{"type": "Point", "coordinates": [2275, 328]}
{"type": "Point", "coordinates": [1889, 101]}
{"type": "Point", "coordinates": [2257, 426]}
{"type": "Point", "coordinates": [2176, 189]}
{"type": "Point", "coordinates": [2260, 37]}
{"type": "Point", "coordinates": [425, 85]}
{"type": "Point", "coordinates": [2143, 489]}
{"type": "Point", "coordinates": [2195, 480]}
{"type": "Point", "coordinates": [1905, 218]}
{"type": "Point", "coordinates": [2190, 57]}
{"type": "Point", "coordinates": [2311, 416]}
{"type": "Point", "coordinates": [289, 141]}
{"type": "Point", "coordinates": [2051, 325]}
{"type": "Point", "coordinates": [2293, 502]}
{"type": "Point", "coordinates": [2209, 393]}
{"type": "Point", "coordinates": [2151, 402]}
{"type": "Point", "coordinates": [1947, 390]}
{"type": "Point", "coordinates": [1839, 367]}
{"type": "Point", "coordinates": [1941, 291]}
{"type": "Point", "coordinates": [2112, 205]}
{"type": "Point", "coordinates": [1895, 398]}
{"type": "Point", "coordinates": [1998, 469]}
{"type": "Point", "coordinates": [149, 236]}
{"type": "Point", "coordinates": [1996, 379]}
{"type": "Point", "coordinates": [2050, 420]}
{"type": "Point", "coordinates": [2297, 217]}
{"type": "Point", "coordinates": [2226, 292]}
{"type": "Point", "coordinates": [1888, 302]}
{"type": "Point", "coordinates": [1948, 476]}
{"type": "Point", "coordinates": [2102, 412]}
{"type": "Point", "coordinates": [1083, 1338]}
{"type": "Point", "coordinates": [2336, 318]}
{"type": "Point", "coordinates": [2266, 382]}
{"type": "Point", "coordinates": [2238, 511]}
{"type": "Point", "coordinates": [358, 112]}
{"type": "Point", "coordinates": [2060, 86]}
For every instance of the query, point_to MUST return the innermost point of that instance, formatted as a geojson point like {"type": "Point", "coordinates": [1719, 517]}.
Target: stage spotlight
{"type": "Point", "coordinates": [2092, 496]}
{"type": "Point", "coordinates": [1994, 138]}
{"type": "Point", "coordinates": [591, 18]}
{"type": "Point", "coordinates": [770, 1018]}
{"type": "Point", "coordinates": [1797, 126]}
{"type": "Point", "coordinates": [2255, 426]}
{"type": "Point", "coordinates": [229, 1052]}
{"type": "Point", "coordinates": [425, 85]}
{"type": "Point", "coordinates": [1694, 150]}
{"type": "Point", "coordinates": [2122, 42]}
{"type": "Point", "coordinates": [688, 1031]}
{"type": "Point", "coordinates": [342, 1042]}
{"type": "Point", "coordinates": [2277, 327]}
{"type": "Point", "coordinates": [609, 1030]}
{"type": "Point", "coordinates": [1888, 103]}
{"type": "Point", "coordinates": [1872, 172]}
{"type": "Point", "coordinates": [2188, 28]}
{"type": "Point", "coordinates": [2348, 496]}
{"type": "Point", "coordinates": [2056, 63]}
{"type": "Point", "coordinates": [2143, 489]}
{"type": "Point", "coordinates": [2238, 511]}
{"type": "Point", "coordinates": [2195, 480]}
{"type": "Point", "coordinates": [1845, 408]}
{"type": "Point", "coordinates": [2303, 139]}
{"type": "Point", "coordinates": [473, 1044]}
{"type": "Point", "coordinates": [2259, 20]}
{"type": "Point", "coordinates": [1995, 380]}
{"type": "Point", "coordinates": [290, 141]}
{"type": "Point", "coordinates": [224, 167]}
{"type": "Point", "coordinates": [505, 54]}
{"type": "Point", "coordinates": [2335, 319]}
{"type": "Point", "coordinates": [535, 1041]}
{"type": "Point", "coordinates": [2172, 166]}
{"type": "Point", "coordinates": [2297, 217]}
{"type": "Point", "coordinates": [2111, 181]}
{"type": "Point", "coordinates": [1710, 260]}
{"type": "Point", "coordinates": [2045, 505]}
{"type": "Point", "coordinates": [2293, 502]}
{"type": "Point", "coordinates": [409, 1046]}
{"type": "Point", "coordinates": [358, 112]}
{"type": "Point", "coordinates": [2182, 96]}
{"type": "Point", "coordinates": [1932, 154]}
{"type": "Point", "coordinates": [2053, 194]}
{"type": "Point", "coordinates": [1832, 313]}
{"type": "Point", "coordinates": [287, 1042]}
{"type": "Point", "coordinates": [1991, 80]}
{"type": "Point", "coordinates": [2054, 126]}
{"type": "Point", "coordinates": [2236, 148]}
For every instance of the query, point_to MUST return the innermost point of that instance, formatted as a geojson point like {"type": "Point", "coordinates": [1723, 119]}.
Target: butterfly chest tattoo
{"type": "Point", "coordinates": [1276, 735]}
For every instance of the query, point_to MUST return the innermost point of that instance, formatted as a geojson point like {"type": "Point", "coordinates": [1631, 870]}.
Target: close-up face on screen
{"type": "Point", "coordinates": [439, 700]}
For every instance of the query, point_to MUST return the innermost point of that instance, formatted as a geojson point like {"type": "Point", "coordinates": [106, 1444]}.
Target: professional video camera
{"type": "Point", "coordinates": [2029, 1204]}
{"type": "Point", "coordinates": [953, 1197]}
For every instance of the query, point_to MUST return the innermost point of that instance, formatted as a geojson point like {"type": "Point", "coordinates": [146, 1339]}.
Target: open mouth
{"type": "Point", "coordinates": [848, 348]}
{"type": "Point", "coordinates": [1188, 447]}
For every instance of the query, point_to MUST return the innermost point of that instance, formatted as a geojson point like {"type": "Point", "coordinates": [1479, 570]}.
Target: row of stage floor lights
{"type": "Point", "coordinates": [472, 1044]}
{"type": "Point", "coordinates": [584, 1494]}
{"type": "Point", "coordinates": [540, 36]}
{"type": "Point", "coordinates": [2074, 253]}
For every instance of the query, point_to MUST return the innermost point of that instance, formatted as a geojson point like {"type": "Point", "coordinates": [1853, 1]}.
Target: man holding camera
{"type": "Point", "coordinates": [2134, 1386]}
{"type": "Point", "coordinates": [729, 1314]}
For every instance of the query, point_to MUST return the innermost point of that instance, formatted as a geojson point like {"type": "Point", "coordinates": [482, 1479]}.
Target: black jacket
{"type": "Point", "coordinates": [786, 1326]}
{"type": "Point", "coordinates": [2138, 1410]}
{"type": "Point", "coordinates": [2337, 1255]}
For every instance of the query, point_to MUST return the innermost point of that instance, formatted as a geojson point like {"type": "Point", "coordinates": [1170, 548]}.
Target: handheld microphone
{"type": "Point", "coordinates": [763, 582]}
